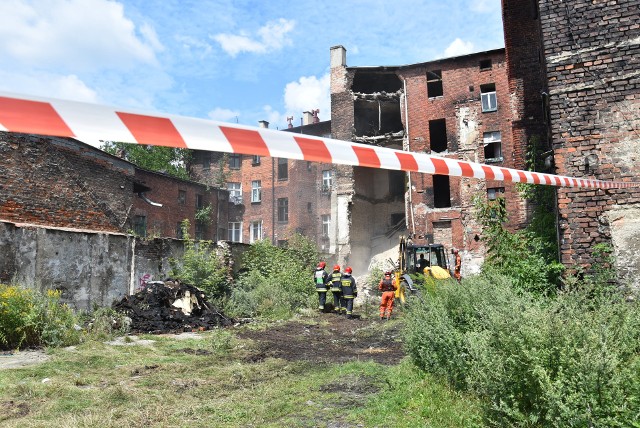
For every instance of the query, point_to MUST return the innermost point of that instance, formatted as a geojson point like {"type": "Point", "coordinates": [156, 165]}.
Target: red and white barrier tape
{"type": "Point", "coordinates": [92, 122]}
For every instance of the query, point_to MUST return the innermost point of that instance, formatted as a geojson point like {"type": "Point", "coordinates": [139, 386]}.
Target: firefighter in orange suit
{"type": "Point", "coordinates": [320, 280]}
{"type": "Point", "coordinates": [335, 284]}
{"type": "Point", "coordinates": [457, 266]}
{"type": "Point", "coordinates": [349, 291]}
{"type": "Point", "coordinates": [388, 287]}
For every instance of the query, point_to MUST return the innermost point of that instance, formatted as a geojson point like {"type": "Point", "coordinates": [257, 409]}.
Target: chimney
{"type": "Point", "coordinates": [314, 113]}
{"type": "Point", "coordinates": [307, 118]}
{"type": "Point", "coordinates": [338, 56]}
{"type": "Point", "coordinates": [263, 124]}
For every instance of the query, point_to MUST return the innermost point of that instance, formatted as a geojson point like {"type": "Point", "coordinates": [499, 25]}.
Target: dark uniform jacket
{"type": "Point", "coordinates": [335, 279]}
{"type": "Point", "coordinates": [349, 290]}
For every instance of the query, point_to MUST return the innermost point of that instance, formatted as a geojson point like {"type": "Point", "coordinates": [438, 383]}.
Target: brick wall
{"type": "Point", "coordinates": [63, 183]}
{"type": "Point", "coordinates": [592, 52]}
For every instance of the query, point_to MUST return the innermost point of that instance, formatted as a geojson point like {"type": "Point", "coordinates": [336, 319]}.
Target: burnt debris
{"type": "Point", "coordinates": [170, 307]}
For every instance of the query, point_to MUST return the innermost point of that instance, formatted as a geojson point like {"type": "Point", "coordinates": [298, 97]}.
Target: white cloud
{"type": "Point", "coordinates": [69, 87]}
{"type": "Point", "coordinates": [484, 6]}
{"type": "Point", "coordinates": [271, 37]}
{"type": "Point", "coordinates": [78, 34]}
{"type": "Point", "coordinates": [223, 114]}
{"type": "Point", "coordinates": [458, 47]}
{"type": "Point", "coordinates": [308, 93]}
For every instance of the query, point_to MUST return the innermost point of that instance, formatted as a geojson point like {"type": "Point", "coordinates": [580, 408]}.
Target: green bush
{"type": "Point", "coordinates": [29, 318]}
{"type": "Point", "coordinates": [201, 266]}
{"type": "Point", "coordinates": [572, 360]}
{"type": "Point", "coordinates": [278, 281]}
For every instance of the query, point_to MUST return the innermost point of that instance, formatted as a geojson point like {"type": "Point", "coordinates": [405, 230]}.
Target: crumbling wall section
{"type": "Point", "coordinates": [592, 57]}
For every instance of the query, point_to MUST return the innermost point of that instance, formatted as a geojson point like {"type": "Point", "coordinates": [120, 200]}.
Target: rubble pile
{"type": "Point", "coordinates": [168, 307]}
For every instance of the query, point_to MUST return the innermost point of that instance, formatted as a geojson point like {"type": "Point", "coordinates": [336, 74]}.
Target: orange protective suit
{"type": "Point", "coordinates": [388, 287]}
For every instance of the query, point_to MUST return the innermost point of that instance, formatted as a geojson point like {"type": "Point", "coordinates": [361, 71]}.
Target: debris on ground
{"type": "Point", "coordinates": [169, 307]}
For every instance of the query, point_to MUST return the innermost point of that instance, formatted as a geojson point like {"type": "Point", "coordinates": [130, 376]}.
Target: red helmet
{"type": "Point", "coordinates": [348, 269]}
{"type": "Point", "coordinates": [321, 265]}
{"type": "Point", "coordinates": [336, 267]}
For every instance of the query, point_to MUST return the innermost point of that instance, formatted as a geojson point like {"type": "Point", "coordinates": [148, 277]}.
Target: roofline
{"type": "Point", "coordinates": [435, 61]}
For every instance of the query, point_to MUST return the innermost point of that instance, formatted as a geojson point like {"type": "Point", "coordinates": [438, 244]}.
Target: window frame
{"type": "Point", "coordinates": [252, 231]}
{"type": "Point", "coordinates": [489, 139]}
{"type": "Point", "coordinates": [235, 194]}
{"type": "Point", "coordinates": [327, 180]}
{"type": "Point", "coordinates": [326, 224]}
{"type": "Point", "coordinates": [235, 160]}
{"type": "Point", "coordinates": [233, 230]}
{"type": "Point", "coordinates": [283, 210]}
{"type": "Point", "coordinates": [256, 191]}
{"type": "Point", "coordinates": [283, 169]}
{"type": "Point", "coordinates": [487, 94]}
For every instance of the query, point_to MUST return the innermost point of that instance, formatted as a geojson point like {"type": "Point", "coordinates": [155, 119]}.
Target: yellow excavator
{"type": "Point", "coordinates": [428, 259]}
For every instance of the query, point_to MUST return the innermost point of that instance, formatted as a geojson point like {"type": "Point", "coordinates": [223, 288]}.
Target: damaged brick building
{"type": "Point", "coordinates": [271, 198]}
{"type": "Point", "coordinates": [455, 107]}
{"type": "Point", "coordinates": [575, 76]}
{"type": "Point", "coordinates": [62, 182]}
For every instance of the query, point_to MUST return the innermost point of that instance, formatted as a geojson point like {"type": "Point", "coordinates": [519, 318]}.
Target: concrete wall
{"type": "Point", "coordinates": [90, 268]}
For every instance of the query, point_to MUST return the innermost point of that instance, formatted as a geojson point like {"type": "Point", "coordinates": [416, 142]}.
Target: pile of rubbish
{"type": "Point", "coordinates": [170, 307]}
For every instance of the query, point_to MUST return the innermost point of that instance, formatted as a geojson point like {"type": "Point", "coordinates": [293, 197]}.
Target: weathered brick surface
{"type": "Point", "coordinates": [592, 52]}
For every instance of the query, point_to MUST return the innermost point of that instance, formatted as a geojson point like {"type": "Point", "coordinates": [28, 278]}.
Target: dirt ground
{"type": "Point", "coordinates": [330, 338]}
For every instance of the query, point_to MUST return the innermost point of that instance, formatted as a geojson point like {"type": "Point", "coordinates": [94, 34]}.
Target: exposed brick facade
{"type": "Point", "coordinates": [591, 61]}
{"type": "Point", "coordinates": [61, 182]}
{"type": "Point", "coordinates": [433, 107]}
{"type": "Point", "coordinates": [299, 183]}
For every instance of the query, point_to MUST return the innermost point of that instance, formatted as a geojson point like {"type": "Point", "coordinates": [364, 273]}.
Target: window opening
{"type": "Point", "coordinates": [255, 231]}
{"type": "Point", "coordinates": [485, 64]}
{"type": "Point", "coordinates": [182, 197]}
{"type": "Point", "coordinates": [438, 135]}
{"type": "Point", "coordinates": [326, 224]}
{"type": "Point", "coordinates": [199, 201]}
{"type": "Point", "coordinates": [441, 191]}
{"type": "Point", "coordinates": [492, 146]}
{"type": "Point", "coordinates": [235, 192]}
{"type": "Point", "coordinates": [201, 230]}
{"type": "Point", "coordinates": [206, 161]}
{"type": "Point", "coordinates": [256, 191]}
{"type": "Point", "coordinates": [235, 160]}
{"type": "Point", "coordinates": [488, 97]}
{"type": "Point", "coordinates": [235, 231]}
{"type": "Point", "coordinates": [140, 225]}
{"type": "Point", "coordinates": [283, 171]}
{"type": "Point", "coordinates": [255, 160]}
{"type": "Point", "coordinates": [283, 209]}
{"type": "Point", "coordinates": [179, 234]}
{"type": "Point", "coordinates": [434, 83]}
{"type": "Point", "coordinates": [327, 180]}
{"type": "Point", "coordinates": [494, 193]}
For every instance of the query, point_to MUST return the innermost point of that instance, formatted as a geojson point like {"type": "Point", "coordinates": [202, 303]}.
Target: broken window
{"type": "Point", "coordinates": [494, 193]}
{"type": "Point", "coordinates": [140, 225]}
{"type": "Point", "coordinates": [234, 161]}
{"type": "Point", "coordinates": [438, 135]}
{"type": "Point", "coordinates": [488, 97]}
{"type": "Point", "coordinates": [327, 180]}
{"type": "Point", "coordinates": [369, 82]}
{"type": "Point", "coordinates": [485, 64]}
{"type": "Point", "coordinates": [326, 223]}
{"type": "Point", "coordinates": [235, 231]}
{"type": "Point", "coordinates": [256, 191]}
{"type": "Point", "coordinates": [492, 146]}
{"type": "Point", "coordinates": [434, 83]}
{"type": "Point", "coordinates": [397, 184]}
{"type": "Point", "coordinates": [283, 169]}
{"type": "Point", "coordinates": [182, 197]}
{"type": "Point", "coordinates": [255, 231]}
{"type": "Point", "coordinates": [235, 192]}
{"type": "Point", "coordinates": [441, 191]}
{"type": "Point", "coordinates": [373, 117]}
{"type": "Point", "coordinates": [283, 209]}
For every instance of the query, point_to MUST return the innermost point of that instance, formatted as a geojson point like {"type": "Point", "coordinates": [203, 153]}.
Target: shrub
{"type": "Point", "coordinates": [568, 361]}
{"type": "Point", "coordinates": [278, 280]}
{"type": "Point", "coordinates": [29, 318]}
{"type": "Point", "coordinates": [201, 266]}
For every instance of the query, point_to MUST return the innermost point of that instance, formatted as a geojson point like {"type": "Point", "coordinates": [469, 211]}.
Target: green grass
{"type": "Point", "coordinates": [207, 382]}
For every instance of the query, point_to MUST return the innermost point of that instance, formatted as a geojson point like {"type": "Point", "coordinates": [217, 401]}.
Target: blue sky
{"type": "Point", "coordinates": [226, 60]}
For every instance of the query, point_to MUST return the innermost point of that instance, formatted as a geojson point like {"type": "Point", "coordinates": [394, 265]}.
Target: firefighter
{"type": "Point", "coordinates": [349, 291]}
{"type": "Point", "coordinates": [388, 286]}
{"type": "Point", "coordinates": [458, 266]}
{"type": "Point", "coordinates": [321, 279]}
{"type": "Point", "coordinates": [336, 289]}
